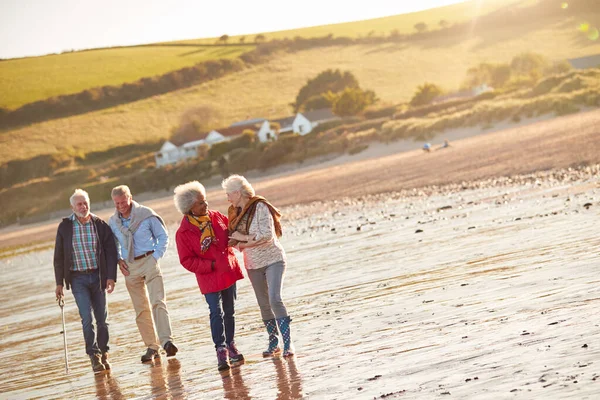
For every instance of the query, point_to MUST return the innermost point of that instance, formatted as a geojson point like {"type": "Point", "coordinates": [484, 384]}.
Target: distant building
{"type": "Point", "coordinates": [303, 123]}
{"type": "Point", "coordinates": [585, 62]}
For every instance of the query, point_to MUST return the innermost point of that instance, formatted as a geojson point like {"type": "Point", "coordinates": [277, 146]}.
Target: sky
{"type": "Point", "coordinates": [37, 27]}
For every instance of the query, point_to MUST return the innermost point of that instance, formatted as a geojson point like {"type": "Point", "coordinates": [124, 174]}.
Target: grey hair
{"type": "Point", "coordinates": [79, 193]}
{"type": "Point", "coordinates": [186, 195]}
{"type": "Point", "coordinates": [236, 183]}
{"type": "Point", "coordinates": [121, 190]}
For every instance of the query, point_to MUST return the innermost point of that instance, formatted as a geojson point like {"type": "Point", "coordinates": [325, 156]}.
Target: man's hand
{"type": "Point", "coordinates": [59, 292]}
{"type": "Point", "coordinates": [124, 268]}
{"type": "Point", "coordinates": [110, 285]}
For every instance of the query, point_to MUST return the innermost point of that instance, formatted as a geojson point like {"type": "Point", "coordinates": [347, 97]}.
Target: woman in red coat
{"type": "Point", "coordinates": [202, 246]}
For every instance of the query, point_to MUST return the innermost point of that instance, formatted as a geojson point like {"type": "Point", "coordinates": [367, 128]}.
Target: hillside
{"type": "Point", "coordinates": [392, 70]}
{"type": "Point", "coordinates": [31, 79]}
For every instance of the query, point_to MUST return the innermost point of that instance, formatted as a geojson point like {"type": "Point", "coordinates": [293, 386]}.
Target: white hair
{"type": "Point", "coordinates": [186, 195]}
{"type": "Point", "coordinates": [79, 193]}
{"type": "Point", "coordinates": [121, 190]}
{"type": "Point", "coordinates": [236, 183]}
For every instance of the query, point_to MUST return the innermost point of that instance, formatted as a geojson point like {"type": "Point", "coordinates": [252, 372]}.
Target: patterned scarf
{"type": "Point", "coordinates": [207, 234]}
{"type": "Point", "coordinates": [235, 215]}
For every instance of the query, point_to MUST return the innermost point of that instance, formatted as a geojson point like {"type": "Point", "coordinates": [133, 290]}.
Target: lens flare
{"type": "Point", "coordinates": [564, 6]}
{"type": "Point", "coordinates": [593, 34]}
{"type": "Point", "coordinates": [583, 27]}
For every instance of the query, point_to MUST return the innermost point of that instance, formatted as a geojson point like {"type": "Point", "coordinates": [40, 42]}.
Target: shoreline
{"type": "Point", "coordinates": [499, 153]}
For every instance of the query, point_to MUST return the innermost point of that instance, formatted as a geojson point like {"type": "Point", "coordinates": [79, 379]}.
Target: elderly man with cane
{"type": "Point", "coordinates": [85, 260]}
{"type": "Point", "coordinates": [142, 240]}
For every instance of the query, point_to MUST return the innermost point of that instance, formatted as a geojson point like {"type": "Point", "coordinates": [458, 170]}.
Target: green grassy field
{"type": "Point", "coordinates": [36, 78]}
{"type": "Point", "coordinates": [27, 80]}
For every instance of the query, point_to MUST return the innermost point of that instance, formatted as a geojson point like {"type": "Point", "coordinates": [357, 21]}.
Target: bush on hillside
{"type": "Point", "coordinates": [525, 64]}
{"type": "Point", "coordinates": [425, 94]}
{"type": "Point", "coordinates": [327, 81]}
{"type": "Point", "coordinates": [320, 101]}
{"type": "Point", "coordinates": [194, 123]}
{"type": "Point", "coordinates": [352, 101]}
{"type": "Point", "coordinates": [495, 75]}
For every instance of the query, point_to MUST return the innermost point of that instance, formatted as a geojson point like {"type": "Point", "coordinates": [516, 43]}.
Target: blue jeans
{"type": "Point", "coordinates": [89, 297]}
{"type": "Point", "coordinates": [222, 315]}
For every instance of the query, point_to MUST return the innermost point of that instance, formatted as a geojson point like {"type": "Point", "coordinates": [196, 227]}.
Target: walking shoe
{"type": "Point", "coordinates": [170, 348]}
{"type": "Point", "coordinates": [234, 354]}
{"type": "Point", "coordinates": [97, 365]}
{"type": "Point", "coordinates": [273, 348]}
{"type": "Point", "coordinates": [105, 361]}
{"type": "Point", "coordinates": [222, 359]}
{"type": "Point", "coordinates": [150, 355]}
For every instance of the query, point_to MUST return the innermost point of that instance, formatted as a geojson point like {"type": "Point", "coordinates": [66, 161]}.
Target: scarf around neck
{"type": "Point", "coordinates": [235, 215]}
{"type": "Point", "coordinates": [207, 233]}
{"type": "Point", "coordinates": [138, 214]}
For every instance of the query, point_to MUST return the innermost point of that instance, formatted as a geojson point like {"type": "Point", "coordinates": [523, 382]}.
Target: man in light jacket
{"type": "Point", "coordinates": [142, 239]}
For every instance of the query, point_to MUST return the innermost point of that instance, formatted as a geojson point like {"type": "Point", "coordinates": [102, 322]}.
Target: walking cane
{"type": "Point", "coordinates": [61, 304]}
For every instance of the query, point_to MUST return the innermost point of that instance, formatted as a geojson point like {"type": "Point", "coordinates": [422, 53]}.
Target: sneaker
{"type": "Point", "coordinates": [170, 348]}
{"type": "Point", "coordinates": [234, 354]}
{"type": "Point", "coordinates": [105, 361]}
{"type": "Point", "coordinates": [222, 359]}
{"type": "Point", "coordinates": [97, 365]}
{"type": "Point", "coordinates": [150, 355]}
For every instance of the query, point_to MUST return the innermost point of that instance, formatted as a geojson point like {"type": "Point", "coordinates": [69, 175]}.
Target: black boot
{"type": "Point", "coordinates": [150, 355]}
{"type": "Point", "coordinates": [97, 365]}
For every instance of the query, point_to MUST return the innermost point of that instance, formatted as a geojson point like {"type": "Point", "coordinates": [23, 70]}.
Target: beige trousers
{"type": "Point", "coordinates": [146, 274]}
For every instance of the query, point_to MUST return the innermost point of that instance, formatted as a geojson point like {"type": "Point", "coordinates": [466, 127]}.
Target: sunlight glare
{"type": "Point", "coordinates": [583, 27]}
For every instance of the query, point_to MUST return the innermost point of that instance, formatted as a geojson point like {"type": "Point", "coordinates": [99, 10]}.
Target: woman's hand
{"type": "Point", "coordinates": [253, 243]}
{"type": "Point", "coordinates": [240, 237]}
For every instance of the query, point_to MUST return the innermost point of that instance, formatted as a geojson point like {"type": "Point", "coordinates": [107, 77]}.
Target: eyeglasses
{"type": "Point", "coordinates": [202, 202]}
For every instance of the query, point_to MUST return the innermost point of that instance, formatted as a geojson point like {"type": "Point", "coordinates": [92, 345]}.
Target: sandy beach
{"type": "Point", "coordinates": [467, 273]}
{"type": "Point", "coordinates": [536, 145]}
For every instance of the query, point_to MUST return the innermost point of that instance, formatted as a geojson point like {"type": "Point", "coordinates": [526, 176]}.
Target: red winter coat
{"type": "Point", "coordinates": [226, 268]}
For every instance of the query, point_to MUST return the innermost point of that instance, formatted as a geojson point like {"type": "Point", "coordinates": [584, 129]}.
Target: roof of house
{"type": "Point", "coordinates": [285, 122]}
{"type": "Point", "coordinates": [324, 114]}
{"type": "Point", "coordinates": [585, 62]}
{"type": "Point", "coordinates": [249, 122]}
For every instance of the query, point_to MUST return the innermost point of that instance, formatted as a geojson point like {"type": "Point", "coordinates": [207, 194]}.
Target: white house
{"type": "Point", "coordinates": [304, 122]}
{"type": "Point", "coordinates": [307, 120]}
{"type": "Point", "coordinates": [168, 154]}
{"type": "Point", "coordinates": [265, 133]}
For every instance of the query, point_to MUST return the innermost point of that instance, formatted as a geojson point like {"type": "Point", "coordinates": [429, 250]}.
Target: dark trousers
{"type": "Point", "coordinates": [222, 315]}
{"type": "Point", "coordinates": [89, 298]}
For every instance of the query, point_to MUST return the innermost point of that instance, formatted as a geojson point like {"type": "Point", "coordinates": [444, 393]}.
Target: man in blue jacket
{"type": "Point", "coordinates": [85, 260]}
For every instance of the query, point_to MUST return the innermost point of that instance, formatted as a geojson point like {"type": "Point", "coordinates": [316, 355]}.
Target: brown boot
{"type": "Point", "coordinates": [97, 365]}
{"type": "Point", "coordinates": [105, 361]}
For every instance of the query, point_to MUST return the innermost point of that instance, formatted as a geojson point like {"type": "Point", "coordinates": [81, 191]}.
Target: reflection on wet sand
{"type": "Point", "coordinates": [166, 382]}
{"type": "Point", "coordinates": [289, 381]}
{"type": "Point", "coordinates": [233, 384]}
{"type": "Point", "coordinates": [107, 387]}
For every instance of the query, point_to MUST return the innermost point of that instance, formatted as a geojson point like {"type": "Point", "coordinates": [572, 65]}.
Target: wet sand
{"type": "Point", "coordinates": [488, 292]}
